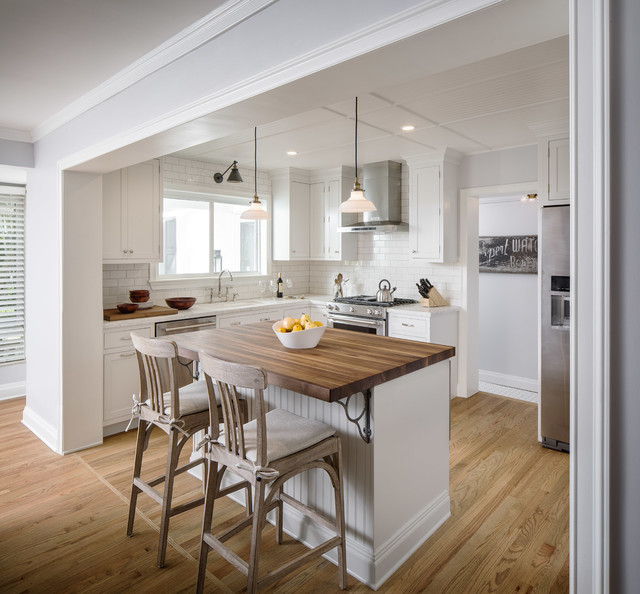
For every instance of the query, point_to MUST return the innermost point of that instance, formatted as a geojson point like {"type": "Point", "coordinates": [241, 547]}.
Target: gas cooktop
{"type": "Point", "coordinates": [371, 300]}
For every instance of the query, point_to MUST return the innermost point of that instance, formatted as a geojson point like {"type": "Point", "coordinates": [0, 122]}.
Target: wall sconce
{"type": "Point", "coordinates": [234, 176]}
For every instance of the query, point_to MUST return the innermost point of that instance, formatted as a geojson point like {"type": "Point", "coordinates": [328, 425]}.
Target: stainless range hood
{"type": "Point", "coordinates": [381, 182]}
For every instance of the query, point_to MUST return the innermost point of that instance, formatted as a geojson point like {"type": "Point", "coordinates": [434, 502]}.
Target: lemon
{"type": "Point", "coordinates": [318, 324]}
{"type": "Point", "coordinates": [297, 320]}
{"type": "Point", "coordinates": [296, 328]}
{"type": "Point", "coordinates": [280, 329]}
{"type": "Point", "coordinates": [288, 323]}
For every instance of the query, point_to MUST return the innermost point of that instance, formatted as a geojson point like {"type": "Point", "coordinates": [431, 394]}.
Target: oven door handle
{"type": "Point", "coordinates": [355, 320]}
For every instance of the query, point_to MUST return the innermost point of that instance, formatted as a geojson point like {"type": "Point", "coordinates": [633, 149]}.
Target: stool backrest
{"type": "Point", "coordinates": [227, 378]}
{"type": "Point", "coordinates": [158, 366]}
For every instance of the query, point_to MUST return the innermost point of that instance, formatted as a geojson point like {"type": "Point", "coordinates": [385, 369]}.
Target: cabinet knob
{"type": "Point", "coordinates": [124, 251]}
{"type": "Point", "coordinates": [123, 355]}
{"type": "Point", "coordinates": [413, 251]}
{"type": "Point", "coordinates": [131, 251]}
{"type": "Point", "coordinates": [405, 324]}
{"type": "Point", "coordinates": [235, 323]}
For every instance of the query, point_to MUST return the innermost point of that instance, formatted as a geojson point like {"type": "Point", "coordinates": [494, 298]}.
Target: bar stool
{"type": "Point", "coordinates": [178, 410]}
{"type": "Point", "coordinates": [266, 452]}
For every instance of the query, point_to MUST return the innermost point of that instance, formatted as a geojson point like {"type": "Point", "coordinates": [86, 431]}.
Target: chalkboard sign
{"type": "Point", "coordinates": [509, 253]}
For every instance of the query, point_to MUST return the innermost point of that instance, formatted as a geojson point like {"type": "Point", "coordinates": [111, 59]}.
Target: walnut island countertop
{"type": "Point", "coordinates": [343, 363]}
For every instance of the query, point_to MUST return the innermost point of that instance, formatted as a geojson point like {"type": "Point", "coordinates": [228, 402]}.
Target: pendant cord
{"type": "Point", "coordinates": [356, 143]}
{"type": "Point", "coordinates": [255, 160]}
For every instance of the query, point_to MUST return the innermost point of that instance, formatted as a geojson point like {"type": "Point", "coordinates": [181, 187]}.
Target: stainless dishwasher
{"type": "Point", "coordinates": [179, 327]}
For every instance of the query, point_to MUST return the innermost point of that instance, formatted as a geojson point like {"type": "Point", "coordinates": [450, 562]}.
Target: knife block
{"type": "Point", "coordinates": [434, 300]}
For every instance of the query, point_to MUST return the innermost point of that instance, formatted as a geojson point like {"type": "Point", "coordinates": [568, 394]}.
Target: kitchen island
{"type": "Point", "coordinates": [396, 456]}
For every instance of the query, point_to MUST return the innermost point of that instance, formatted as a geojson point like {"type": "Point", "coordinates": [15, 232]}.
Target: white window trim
{"type": "Point", "coordinates": [194, 192]}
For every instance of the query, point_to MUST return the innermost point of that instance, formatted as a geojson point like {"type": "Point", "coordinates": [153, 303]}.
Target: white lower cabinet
{"type": "Point", "coordinates": [437, 328]}
{"type": "Point", "coordinates": [121, 377]}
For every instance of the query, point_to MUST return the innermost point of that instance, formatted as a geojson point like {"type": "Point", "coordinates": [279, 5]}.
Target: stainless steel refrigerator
{"type": "Point", "coordinates": [556, 323]}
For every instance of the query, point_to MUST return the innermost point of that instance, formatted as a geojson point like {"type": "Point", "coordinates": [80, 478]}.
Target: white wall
{"type": "Point", "coordinates": [508, 303]}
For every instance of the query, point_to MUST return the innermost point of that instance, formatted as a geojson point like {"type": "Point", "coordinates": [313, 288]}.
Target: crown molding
{"type": "Point", "coordinates": [15, 135]}
{"type": "Point", "coordinates": [193, 36]}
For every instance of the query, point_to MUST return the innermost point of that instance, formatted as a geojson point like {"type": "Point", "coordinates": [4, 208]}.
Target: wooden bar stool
{"type": "Point", "coordinates": [266, 452]}
{"type": "Point", "coordinates": [180, 411]}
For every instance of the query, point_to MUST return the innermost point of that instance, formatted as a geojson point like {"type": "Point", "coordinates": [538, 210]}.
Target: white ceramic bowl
{"type": "Point", "coordinates": [303, 339]}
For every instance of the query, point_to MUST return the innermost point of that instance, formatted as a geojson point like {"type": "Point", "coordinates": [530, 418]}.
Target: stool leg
{"type": "Point", "coordinates": [211, 491]}
{"type": "Point", "coordinates": [339, 499]}
{"type": "Point", "coordinates": [279, 518]}
{"type": "Point", "coordinates": [143, 428]}
{"type": "Point", "coordinates": [256, 534]}
{"type": "Point", "coordinates": [172, 463]}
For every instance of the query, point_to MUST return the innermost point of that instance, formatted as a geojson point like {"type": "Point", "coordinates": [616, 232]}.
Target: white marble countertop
{"type": "Point", "coordinates": [200, 310]}
{"type": "Point", "coordinates": [417, 308]}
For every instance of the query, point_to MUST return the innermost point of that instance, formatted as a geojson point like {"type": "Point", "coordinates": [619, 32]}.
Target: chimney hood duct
{"type": "Point", "coordinates": [381, 182]}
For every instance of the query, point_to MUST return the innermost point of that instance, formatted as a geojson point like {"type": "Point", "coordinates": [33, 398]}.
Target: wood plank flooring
{"type": "Point", "coordinates": [63, 519]}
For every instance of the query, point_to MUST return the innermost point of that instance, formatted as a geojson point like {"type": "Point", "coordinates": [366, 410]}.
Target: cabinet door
{"type": "Point", "coordinates": [317, 221]}
{"type": "Point", "coordinates": [559, 171]}
{"type": "Point", "coordinates": [142, 195]}
{"type": "Point", "coordinates": [299, 221]}
{"type": "Point", "coordinates": [425, 214]}
{"type": "Point", "coordinates": [334, 237]}
{"type": "Point", "coordinates": [112, 217]}
{"type": "Point", "coordinates": [121, 381]}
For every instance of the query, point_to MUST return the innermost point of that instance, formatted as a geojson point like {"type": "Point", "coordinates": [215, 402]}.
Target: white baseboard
{"type": "Point", "coordinates": [42, 429]}
{"type": "Point", "coordinates": [15, 390]}
{"type": "Point", "coordinates": [510, 381]}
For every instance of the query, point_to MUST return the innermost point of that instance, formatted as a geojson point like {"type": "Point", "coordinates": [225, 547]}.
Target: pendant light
{"type": "Point", "coordinates": [255, 211]}
{"type": "Point", "coordinates": [357, 202]}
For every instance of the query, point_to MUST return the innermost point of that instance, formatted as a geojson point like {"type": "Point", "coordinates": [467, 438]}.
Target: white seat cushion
{"type": "Point", "coordinates": [193, 399]}
{"type": "Point", "coordinates": [286, 434]}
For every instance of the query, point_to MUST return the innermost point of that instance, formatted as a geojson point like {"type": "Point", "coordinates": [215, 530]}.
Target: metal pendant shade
{"type": "Point", "coordinates": [234, 174]}
{"type": "Point", "coordinates": [357, 201]}
{"type": "Point", "coordinates": [255, 211]}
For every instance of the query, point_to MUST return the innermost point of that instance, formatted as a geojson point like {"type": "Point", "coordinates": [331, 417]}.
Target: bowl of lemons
{"type": "Point", "coordinates": [299, 333]}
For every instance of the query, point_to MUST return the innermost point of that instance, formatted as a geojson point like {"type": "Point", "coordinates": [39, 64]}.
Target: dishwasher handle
{"type": "Point", "coordinates": [181, 329]}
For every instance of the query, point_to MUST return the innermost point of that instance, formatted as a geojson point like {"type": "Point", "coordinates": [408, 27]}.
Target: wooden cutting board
{"type": "Point", "coordinates": [113, 315]}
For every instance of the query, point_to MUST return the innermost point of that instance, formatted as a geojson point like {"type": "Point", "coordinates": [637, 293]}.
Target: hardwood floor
{"type": "Point", "coordinates": [63, 519]}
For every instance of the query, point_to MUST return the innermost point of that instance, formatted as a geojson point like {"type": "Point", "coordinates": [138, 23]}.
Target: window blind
{"type": "Point", "coordinates": [12, 207]}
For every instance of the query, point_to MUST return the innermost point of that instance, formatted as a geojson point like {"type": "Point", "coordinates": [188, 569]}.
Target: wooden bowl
{"type": "Point", "coordinates": [139, 295]}
{"type": "Point", "coordinates": [180, 302]}
{"type": "Point", "coordinates": [127, 307]}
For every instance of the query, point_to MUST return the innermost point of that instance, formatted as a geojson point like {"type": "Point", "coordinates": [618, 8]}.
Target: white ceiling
{"type": "Point", "coordinates": [54, 51]}
{"type": "Point", "coordinates": [475, 84]}
{"type": "Point", "coordinates": [480, 106]}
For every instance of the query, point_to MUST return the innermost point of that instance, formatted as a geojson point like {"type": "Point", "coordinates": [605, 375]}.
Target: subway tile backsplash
{"type": "Point", "coordinates": [380, 256]}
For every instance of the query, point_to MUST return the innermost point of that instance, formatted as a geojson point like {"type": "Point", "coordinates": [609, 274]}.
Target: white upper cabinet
{"type": "Point", "coordinates": [329, 189]}
{"type": "Point", "coordinates": [317, 239]}
{"type": "Point", "coordinates": [433, 206]}
{"type": "Point", "coordinates": [290, 196]}
{"type": "Point", "coordinates": [132, 214]}
{"type": "Point", "coordinates": [306, 216]}
{"type": "Point", "coordinates": [553, 170]}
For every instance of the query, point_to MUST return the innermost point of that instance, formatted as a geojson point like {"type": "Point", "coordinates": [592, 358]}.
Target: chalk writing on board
{"type": "Point", "coordinates": [509, 253]}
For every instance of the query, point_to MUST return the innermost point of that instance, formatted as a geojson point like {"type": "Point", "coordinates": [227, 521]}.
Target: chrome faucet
{"type": "Point", "coordinates": [219, 277]}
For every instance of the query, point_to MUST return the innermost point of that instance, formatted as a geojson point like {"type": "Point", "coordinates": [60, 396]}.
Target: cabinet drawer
{"type": "Point", "coordinates": [409, 327]}
{"type": "Point", "coordinates": [115, 339]}
{"type": "Point", "coordinates": [265, 316]}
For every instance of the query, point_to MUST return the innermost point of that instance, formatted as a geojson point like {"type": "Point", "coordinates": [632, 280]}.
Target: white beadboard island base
{"type": "Point", "coordinates": [396, 486]}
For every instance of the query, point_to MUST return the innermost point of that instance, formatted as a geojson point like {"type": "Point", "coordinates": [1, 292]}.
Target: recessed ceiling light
{"type": "Point", "coordinates": [292, 153]}
{"type": "Point", "coordinates": [408, 128]}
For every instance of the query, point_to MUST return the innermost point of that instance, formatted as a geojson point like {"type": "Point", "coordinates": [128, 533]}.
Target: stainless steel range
{"type": "Point", "coordinates": [362, 313]}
